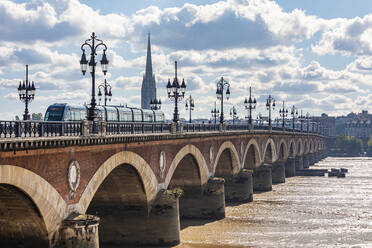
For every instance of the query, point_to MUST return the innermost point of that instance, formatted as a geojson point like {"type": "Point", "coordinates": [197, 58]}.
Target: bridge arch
{"type": "Point", "coordinates": [142, 168]}
{"type": "Point", "coordinates": [306, 147]}
{"type": "Point", "coordinates": [252, 158]}
{"type": "Point", "coordinates": [35, 190]}
{"type": "Point", "coordinates": [292, 148]}
{"type": "Point", "coordinates": [299, 147]}
{"type": "Point", "coordinates": [283, 150]}
{"type": "Point", "coordinates": [193, 151]}
{"type": "Point", "coordinates": [270, 154]}
{"type": "Point", "coordinates": [311, 149]}
{"type": "Point", "coordinates": [227, 151]}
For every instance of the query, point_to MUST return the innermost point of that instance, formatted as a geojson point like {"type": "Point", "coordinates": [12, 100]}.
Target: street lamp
{"type": "Point", "coordinates": [294, 113]}
{"type": "Point", "coordinates": [250, 105]}
{"type": "Point", "coordinates": [308, 117]}
{"type": "Point", "coordinates": [221, 86]}
{"type": "Point", "coordinates": [91, 43]}
{"type": "Point", "coordinates": [270, 103]}
{"type": "Point", "coordinates": [283, 113]}
{"type": "Point", "coordinates": [107, 89]}
{"type": "Point", "coordinates": [189, 105]}
{"type": "Point", "coordinates": [176, 92]}
{"type": "Point", "coordinates": [155, 104]}
{"type": "Point", "coordinates": [233, 113]}
{"type": "Point", "coordinates": [26, 91]}
{"type": "Point", "coordinates": [302, 118]}
{"type": "Point", "coordinates": [215, 112]}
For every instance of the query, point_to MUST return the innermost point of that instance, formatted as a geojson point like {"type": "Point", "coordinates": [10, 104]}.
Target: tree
{"type": "Point", "coordinates": [348, 145]}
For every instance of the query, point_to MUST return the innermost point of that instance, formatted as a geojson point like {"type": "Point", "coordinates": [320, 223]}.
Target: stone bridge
{"type": "Point", "coordinates": [137, 189]}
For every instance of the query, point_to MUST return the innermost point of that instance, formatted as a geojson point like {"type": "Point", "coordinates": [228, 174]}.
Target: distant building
{"type": "Point", "coordinates": [326, 124]}
{"type": "Point", "coordinates": [148, 89]}
{"type": "Point", "coordinates": [359, 126]}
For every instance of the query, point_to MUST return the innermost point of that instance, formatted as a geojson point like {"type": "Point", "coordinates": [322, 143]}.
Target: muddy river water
{"type": "Point", "coordinates": [303, 212]}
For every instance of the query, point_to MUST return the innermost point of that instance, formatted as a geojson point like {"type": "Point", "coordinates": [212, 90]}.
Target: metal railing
{"type": "Point", "coordinates": [200, 127]}
{"type": "Point", "coordinates": [24, 129]}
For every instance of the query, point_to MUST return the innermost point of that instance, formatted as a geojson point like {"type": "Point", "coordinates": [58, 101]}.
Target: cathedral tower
{"type": "Point", "coordinates": [148, 89]}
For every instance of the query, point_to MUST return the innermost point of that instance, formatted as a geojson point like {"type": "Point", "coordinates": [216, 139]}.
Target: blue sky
{"type": "Point", "coordinates": [315, 54]}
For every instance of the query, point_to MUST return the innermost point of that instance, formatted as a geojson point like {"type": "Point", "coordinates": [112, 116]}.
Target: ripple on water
{"type": "Point", "coordinates": [303, 212]}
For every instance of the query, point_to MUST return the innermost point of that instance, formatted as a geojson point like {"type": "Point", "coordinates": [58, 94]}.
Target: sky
{"type": "Point", "coordinates": [313, 54]}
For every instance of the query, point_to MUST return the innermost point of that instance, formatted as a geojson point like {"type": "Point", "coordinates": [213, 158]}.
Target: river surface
{"type": "Point", "coordinates": [303, 212]}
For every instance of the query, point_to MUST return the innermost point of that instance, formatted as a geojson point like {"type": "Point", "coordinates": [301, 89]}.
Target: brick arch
{"type": "Point", "coordinates": [149, 181]}
{"type": "Point", "coordinates": [299, 147]}
{"type": "Point", "coordinates": [257, 153]}
{"type": "Point", "coordinates": [292, 144]}
{"type": "Point", "coordinates": [200, 161]}
{"type": "Point", "coordinates": [311, 149]}
{"type": "Point", "coordinates": [306, 147]}
{"type": "Point", "coordinates": [285, 149]}
{"type": "Point", "coordinates": [234, 157]}
{"type": "Point", "coordinates": [274, 156]}
{"type": "Point", "coordinates": [45, 197]}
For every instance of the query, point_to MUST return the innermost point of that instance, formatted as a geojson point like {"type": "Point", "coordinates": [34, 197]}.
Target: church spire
{"type": "Point", "coordinates": [148, 59]}
{"type": "Point", "coordinates": [148, 89]}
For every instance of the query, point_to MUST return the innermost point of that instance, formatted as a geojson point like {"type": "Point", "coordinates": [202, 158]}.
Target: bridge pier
{"type": "Point", "coordinates": [311, 159]}
{"type": "Point", "coordinates": [239, 188]}
{"type": "Point", "coordinates": [77, 231]}
{"type": "Point", "coordinates": [290, 167]}
{"type": "Point", "coordinates": [133, 225]}
{"type": "Point", "coordinates": [262, 178]}
{"type": "Point", "coordinates": [208, 204]}
{"type": "Point", "coordinates": [299, 163]}
{"type": "Point", "coordinates": [306, 161]}
{"type": "Point", "coordinates": [278, 172]}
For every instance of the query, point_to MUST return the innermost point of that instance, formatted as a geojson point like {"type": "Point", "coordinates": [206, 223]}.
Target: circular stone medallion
{"type": "Point", "coordinates": [73, 175]}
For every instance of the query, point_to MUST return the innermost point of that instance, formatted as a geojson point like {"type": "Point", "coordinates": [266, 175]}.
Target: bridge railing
{"type": "Point", "coordinates": [113, 128]}
{"type": "Point", "coordinates": [24, 129]}
{"type": "Point", "coordinates": [200, 127]}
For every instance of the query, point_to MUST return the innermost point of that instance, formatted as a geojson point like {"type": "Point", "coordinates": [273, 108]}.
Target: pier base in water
{"type": "Point", "coordinates": [299, 163]}
{"type": "Point", "coordinates": [206, 204]}
{"type": "Point", "coordinates": [290, 167]}
{"type": "Point", "coordinates": [77, 231]}
{"type": "Point", "coordinates": [262, 178]}
{"type": "Point", "coordinates": [239, 188]}
{"type": "Point", "coordinates": [278, 172]}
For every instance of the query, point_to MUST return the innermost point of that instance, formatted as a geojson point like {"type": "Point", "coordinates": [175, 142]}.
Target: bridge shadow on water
{"type": "Point", "coordinates": [184, 223]}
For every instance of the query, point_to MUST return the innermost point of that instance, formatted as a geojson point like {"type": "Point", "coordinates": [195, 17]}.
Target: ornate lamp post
{"type": "Point", "coordinates": [155, 104]}
{"type": "Point", "coordinates": [190, 105]}
{"type": "Point", "coordinates": [26, 91]}
{"type": "Point", "coordinates": [294, 113]}
{"type": "Point", "coordinates": [250, 105]}
{"type": "Point", "coordinates": [176, 92]}
{"type": "Point", "coordinates": [107, 90]}
{"type": "Point", "coordinates": [233, 114]}
{"type": "Point", "coordinates": [93, 43]}
{"type": "Point", "coordinates": [302, 118]}
{"type": "Point", "coordinates": [308, 121]}
{"type": "Point", "coordinates": [270, 103]}
{"type": "Point", "coordinates": [215, 112]}
{"type": "Point", "coordinates": [283, 113]}
{"type": "Point", "coordinates": [221, 86]}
